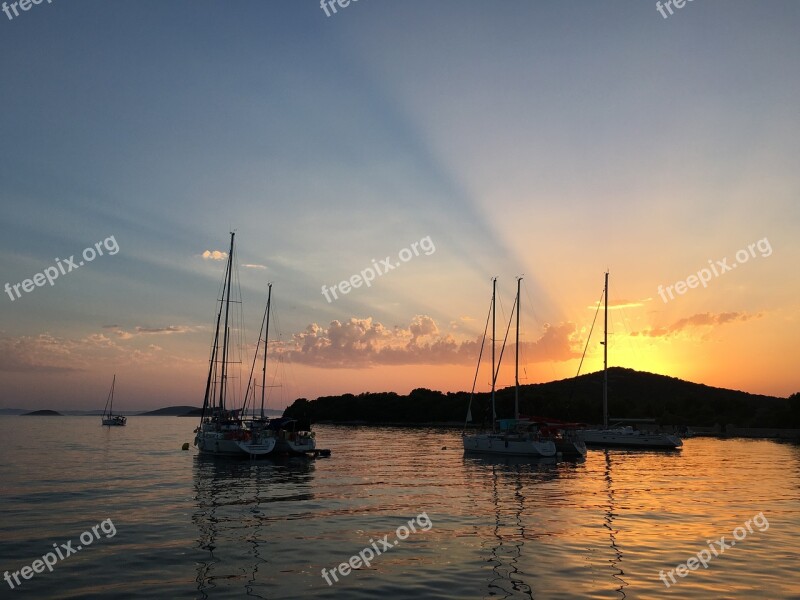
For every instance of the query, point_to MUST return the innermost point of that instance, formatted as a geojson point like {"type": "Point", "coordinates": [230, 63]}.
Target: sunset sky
{"type": "Point", "coordinates": [552, 139]}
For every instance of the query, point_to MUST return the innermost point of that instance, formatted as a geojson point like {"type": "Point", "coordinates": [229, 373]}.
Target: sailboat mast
{"type": "Point", "coordinates": [266, 343]}
{"type": "Point", "coordinates": [516, 359]}
{"type": "Point", "coordinates": [226, 334]}
{"type": "Point", "coordinates": [494, 374]}
{"type": "Point", "coordinates": [111, 399]}
{"type": "Point", "coordinates": [213, 363]}
{"type": "Point", "coordinates": [605, 357]}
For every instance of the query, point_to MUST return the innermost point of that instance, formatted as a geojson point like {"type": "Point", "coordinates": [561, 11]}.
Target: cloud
{"type": "Point", "coordinates": [127, 335]}
{"type": "Point", "coordinates": [47, 353]}
{"type": "Point", "coordinates": [164, 330]}
{"type": "Point", "coordinates": [620, 304]}
{"type": "Point", "coordinates": [251, 266]}
{"type": "Point", "coordinates": [214, 255]}
{"type": "Point", "coordinates": [42, 353]}
{"type": "Point", "coordinates": [362, 342]}
{"type": "Point", "coordinates": [701, 322]}
{"type": "Point", "coordinates": [558, 343]}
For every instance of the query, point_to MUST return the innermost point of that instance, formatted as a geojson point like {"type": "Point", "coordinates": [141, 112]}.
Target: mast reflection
{"type": "Point", "coordinates": [608, 523]}
{"type": "Point", "coordinates": [509, 477]}
{"type": "Point", "coordinates": [232, 499]}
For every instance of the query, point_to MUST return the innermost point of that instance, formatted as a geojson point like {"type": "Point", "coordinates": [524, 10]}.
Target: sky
{"type": "Point", "coordinates": [460, 140]}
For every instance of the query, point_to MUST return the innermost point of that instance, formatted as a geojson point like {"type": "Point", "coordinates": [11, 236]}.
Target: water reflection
{"type": "Point", "coordinates": [509, 478]}
{"type": "Point", "coordinates": [608, 523]}
{"type": "Point", "coordinates": [234, 511]}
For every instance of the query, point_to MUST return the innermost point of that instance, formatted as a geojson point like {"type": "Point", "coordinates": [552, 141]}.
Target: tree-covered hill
{"type": "Point", "coordinates": [631, 394]}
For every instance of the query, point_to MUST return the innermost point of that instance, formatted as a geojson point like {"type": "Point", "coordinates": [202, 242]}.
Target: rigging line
{"type": "Point", "coordinates": [212, 369]}
{"type": "Point", "coordinates": [285, 367]}
{"type": "Point", "coordinates": [502, 310]}
{"type": "Point", "coordinates": [503, 347]}
{"type": "Point", "coordinates": [585, 348]}
{"type": "Point", "coordinates": [240, 336]}
{"type": "Point", "coordinates": [536, 319]}
{"type": "Point", "coordinates": [540, 323]}
{"type": "Point", "coordinates": [589, 337]}
{"type": "Point", "coordinates": [478, 367]}
{"type": "Point", "coordinates": [255, 357]}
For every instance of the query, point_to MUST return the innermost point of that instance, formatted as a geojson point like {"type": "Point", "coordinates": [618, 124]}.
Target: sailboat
{"type": "Point", "coordinates": [514, 437]}
{"type": "Point", "coordinates": [109, 419]}
{"type": "Point", "coordinates": [222, 432]}
{"type": "Point", "coordinates": [283, 433]}
{"type": "Point", "coordinates": [622, 436]}
{"type": "Point", "coordinates": [286, 434]}
{"type": "Point", "coordinates": [564, 435]}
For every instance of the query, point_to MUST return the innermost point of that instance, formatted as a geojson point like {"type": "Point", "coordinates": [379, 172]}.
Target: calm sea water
{"type": "Point", "coordinates": [188, 527]}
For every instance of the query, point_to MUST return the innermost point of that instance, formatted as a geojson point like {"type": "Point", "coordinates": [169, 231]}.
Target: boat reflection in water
{"type": "Point", "coordinates": [509, 479]}
{"type": "Point", "coordinates": [238, 504]}
{"type": "Point", "coordinates": [534, 512]}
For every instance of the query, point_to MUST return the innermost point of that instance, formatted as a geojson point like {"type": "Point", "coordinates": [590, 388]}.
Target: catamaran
{"type": "Point", "coordinates": [222, 432]}
{"type": "Point", "coordinates": [513, 437]}
{"type": "Point", "coordinates": [622, 436]}
{"type": "Point", "coordinates": [109, 419]}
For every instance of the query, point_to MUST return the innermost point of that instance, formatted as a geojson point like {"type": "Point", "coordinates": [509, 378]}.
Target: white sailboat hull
{"type": "Point", "coordinates": [508, 445]}
{"type": "Point", "coordinates": [222, 443]}
{"type": "Point", "coordinates": [303, 445]}
{"type": "Point", "coordinates": [258, 448]}
{"type": "Point", "coordinates": [216, 444]}
{"type": "Point", "coordinates": [629, 438]}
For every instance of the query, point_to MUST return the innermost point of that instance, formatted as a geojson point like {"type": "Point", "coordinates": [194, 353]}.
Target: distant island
{"type": "Point", "coordinates": [168, 411]}
{"type": "Point", "coordinates": [670, 401]}
{"type": "Point", "coordinates": [173, 411]}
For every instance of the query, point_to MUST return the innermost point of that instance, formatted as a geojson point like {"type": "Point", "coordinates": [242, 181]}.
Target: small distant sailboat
{"type": "Point", "coordinates": [109, 419]}
{"type": "Point", "coordinates": [622, 437]}
{"type": "Point", "coordinates": [515, 437]}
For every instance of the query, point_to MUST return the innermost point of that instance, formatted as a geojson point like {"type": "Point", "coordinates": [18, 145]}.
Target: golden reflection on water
{"type": "Point", "coordinates": [602, 527]}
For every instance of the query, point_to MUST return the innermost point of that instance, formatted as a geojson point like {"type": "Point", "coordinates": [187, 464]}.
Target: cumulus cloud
{"type": "Point", "coordinates": [363, 342]}
{"type": "Point", "coordinates": [558, 343]}
{"type": "Point", "coordinates": [47, 353]}
{"type": "Point", "coordinates": [42, 353]}
{"type": "Point", "coordinates": [701, 322]}
{"type": "Point", "coordinates": [214, 255]}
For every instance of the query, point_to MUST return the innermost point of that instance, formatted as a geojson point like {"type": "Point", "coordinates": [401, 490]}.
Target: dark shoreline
{"type": "Point", "coordinates": [698, 432]}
